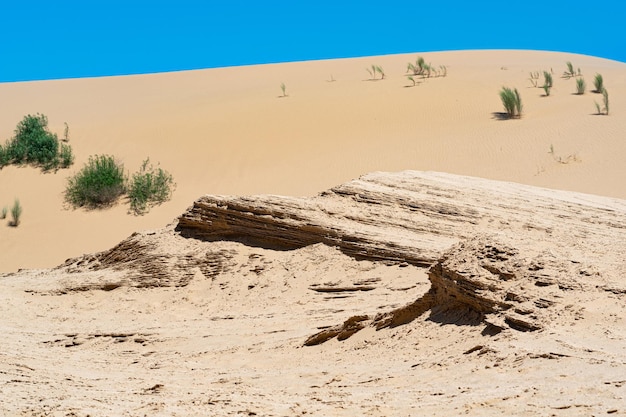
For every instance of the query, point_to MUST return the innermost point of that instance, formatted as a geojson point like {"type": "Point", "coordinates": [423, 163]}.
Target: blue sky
{"type": "Point", "coordinates": [68, 39]}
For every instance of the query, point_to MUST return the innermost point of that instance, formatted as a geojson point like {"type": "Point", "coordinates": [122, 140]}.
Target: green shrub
{"type": "Point", "coordinates": [598, 83]}
{"type": "Point", "coordinates": [3, 213]}
{"type": "Point", "coordinates": [16, 213]}
{"type": "Point", "coordinates": [99, 183]}
{"type": "Point", "coordinates": [283, 87]}
{"type": "Point", "coordinates": [512, 102]}
{"type": "Point", "coordinates": [34, 144]}
{"type": "Point", "coordinates": [581, 86]}
{"type": "Point", "coordinates": [149, 186]}
{"type": "Point", "coordinates": [420, 67]}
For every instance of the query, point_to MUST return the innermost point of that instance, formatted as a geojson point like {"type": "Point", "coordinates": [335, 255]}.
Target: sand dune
{"type": "Point", "coordinates": [225, 131]}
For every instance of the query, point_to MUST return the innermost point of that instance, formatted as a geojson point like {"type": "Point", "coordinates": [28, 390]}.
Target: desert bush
{"type": "Point", "coordinates": [34, 144]}
{"type": "Point", "coordinates": [99, 183]}
{"type": "Point", "coordinates": [149, 186]}
{"type": "Point", "coordinates": [3, 213]}
{"type": "Point", "coordinates": [16, 213]}
{"type": "Point", "coordinates": [420, 67]}
{"type": "Point", "coordinates": [581, 86]}
{"type": "Point", "coordinates": [598, 83]}
{"type": "Point", "coordinates": [283, 87]}
{"type": "Point", "coordinates": [412, 79]}
{"type": "Point", "coordinates": [512, 102]}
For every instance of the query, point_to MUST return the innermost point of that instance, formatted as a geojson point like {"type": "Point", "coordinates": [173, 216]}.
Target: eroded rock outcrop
{"type": "Point", "coordinates": [500, 254]}
{"type": "Point", "coordinates": [484, 281]}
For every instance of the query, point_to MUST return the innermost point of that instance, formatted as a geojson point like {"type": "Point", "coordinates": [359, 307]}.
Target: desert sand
{"type": "Point", "coordinates": [114, 334]}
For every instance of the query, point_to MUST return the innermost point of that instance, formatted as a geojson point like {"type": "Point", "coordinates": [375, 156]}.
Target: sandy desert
{"type": "Point", "coordinates": [358, 246]}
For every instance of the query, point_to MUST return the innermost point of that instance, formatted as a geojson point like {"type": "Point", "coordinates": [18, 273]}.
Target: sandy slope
{"type": "Point", "coordinates": [225, 131]}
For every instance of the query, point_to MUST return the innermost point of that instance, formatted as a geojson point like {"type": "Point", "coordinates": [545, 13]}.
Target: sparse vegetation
{"type": "Point", "coordinates": [412, 79]}
{"type": "Point", "coordinates": [380, 70]}
{"type": "Point", "coordinates": [569, 73]}
{"type": "Point", "coordinates": [16, 213]}
{"type": "Point", "coordinates": [512, 102]}
{"type": "Point", "coordinates": [102, 181]}
{"type": "Point", "coordinates": [598, 83]}
{"type": "Point", "coordinates": [546, 89]}
{"type": "Point", "coordinates": [420, 67]}
{"type": "Point", "coordinates": [605, 101]}
{"type": "Point", "coordinates": [547, 82]}
{"type": "Point", "coordinates": [66, 133]}
{"type": "Point", "coordinates": [149, 186]}
{"type": "Point", "coordinates": [283, 88]}
{"type": "Point", "coordinates": [99, 183]}
{"type": "Point", "coordinates": [376, 69]}
{"type": "Point", "coordinates": [534, 78]}
{"type": "Point", "coordinates": [581, 86]}
{"type": "Point", "coordinates": [3, 213]}
{"type": "Point", "coordinates": [34, 144]}
{"type": "Point", "coordinates": [560, 159]}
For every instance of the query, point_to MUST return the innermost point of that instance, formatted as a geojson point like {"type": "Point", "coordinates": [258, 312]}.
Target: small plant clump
{"type": "Point", "coordinates": [420, 68]}
{"type": "Point", "coordinates": [581, 86]}
{"type": "Point", "coordinates": [16, 213]}
{"type": "Point", "coordinates": [605, 101]}
{"type": "Point", "coordinates": [376, 69]}
{"type": "Point", "coordinates": [598, 83]}
{"type": "Point", "coordinates": [512, 102]}
{"type": "Point", "coordinates": [66, 133]}
{"type": "Point", "coordinates": [99, 183]}
{"type": "Point", "coordinates": [34, 144]}
{"type": "Point", "coordinates": [547, 84]}
{"type": "Point", "coordinates": [570, 73]}
{"type": "Point", "coordinates": [534, 78]}
{"type": "Point", "coordinates": [149, 186]}
{"type": "Point", "coordinates": [283, 88]}
{"type": "Point", "coordinates": [3, 213]}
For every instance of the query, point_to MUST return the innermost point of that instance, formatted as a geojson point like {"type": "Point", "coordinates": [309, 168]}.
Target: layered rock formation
{"type": "Point", "coordinates": [538, 242]}
{"type": "Point", "coordinates": [499, 253]}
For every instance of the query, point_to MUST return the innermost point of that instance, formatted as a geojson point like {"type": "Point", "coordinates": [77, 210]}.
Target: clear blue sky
{"type": "Point", "coordinates": [67, 39]}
